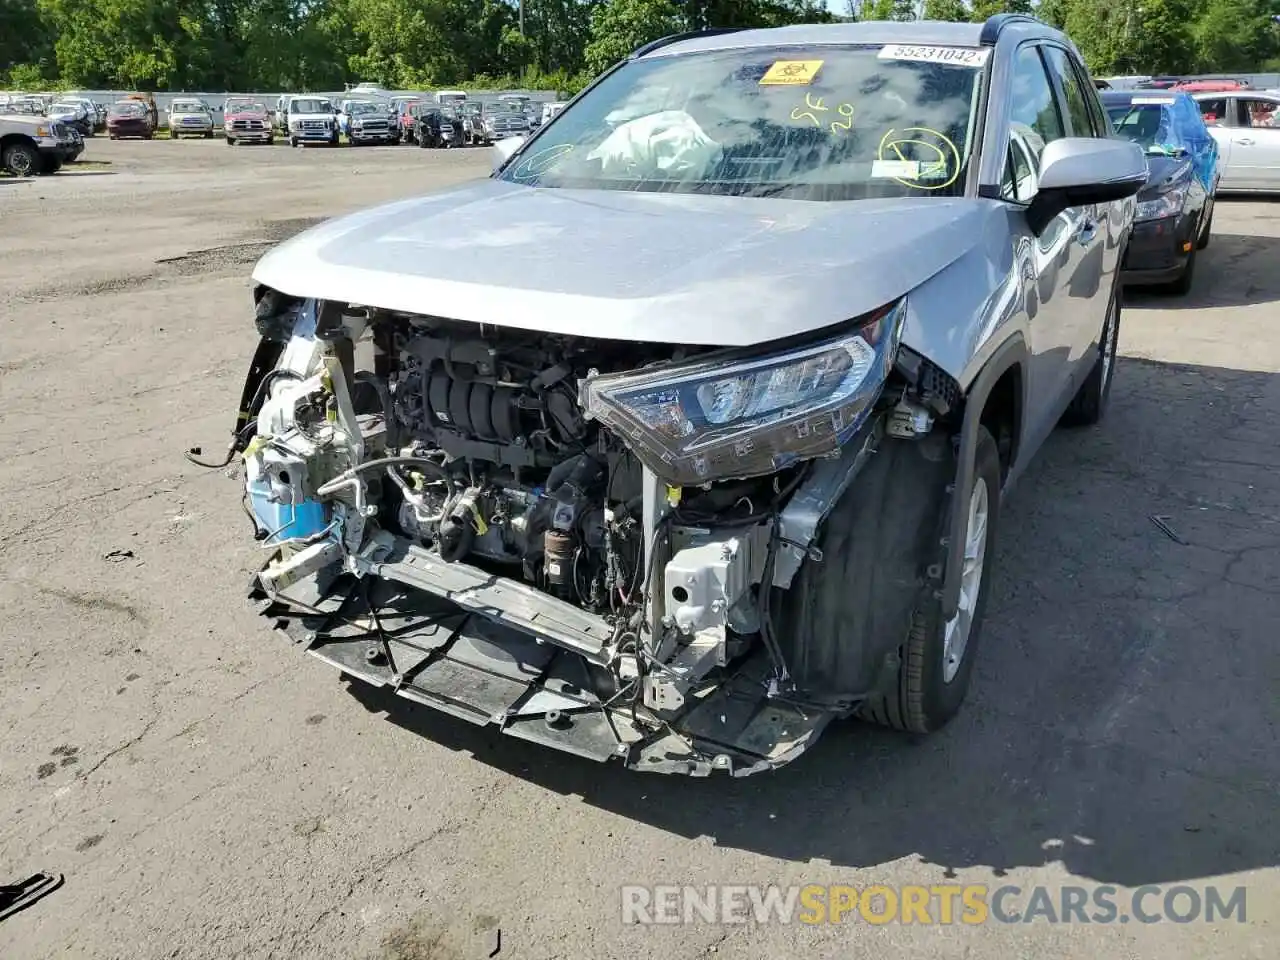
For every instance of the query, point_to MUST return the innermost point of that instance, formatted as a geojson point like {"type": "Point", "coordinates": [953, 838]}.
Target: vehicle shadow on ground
{"type": "Point", "coordinates": [1233, 270]}
{"type": "Point", "coordinates": [1123, 716]}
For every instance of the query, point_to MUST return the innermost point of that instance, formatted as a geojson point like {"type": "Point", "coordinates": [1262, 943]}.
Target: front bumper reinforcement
{"type": "Point", "coordinates": [492, 651]}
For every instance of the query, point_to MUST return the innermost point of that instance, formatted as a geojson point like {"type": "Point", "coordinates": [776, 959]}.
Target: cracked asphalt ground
{"type": "Point", "coordinates": [209, 791]}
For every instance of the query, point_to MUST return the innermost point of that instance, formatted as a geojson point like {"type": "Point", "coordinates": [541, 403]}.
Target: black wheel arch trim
{"type": "Point", "coordinates": [1009, 354]}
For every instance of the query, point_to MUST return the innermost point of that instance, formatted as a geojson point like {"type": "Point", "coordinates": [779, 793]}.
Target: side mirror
{"type": "Point", "coordinates": [1078, 171]}
{"type": "Point", "coordinates": [503, 149]}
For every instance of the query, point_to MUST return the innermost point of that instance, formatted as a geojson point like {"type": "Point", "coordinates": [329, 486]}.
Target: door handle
{"type": "Point", "coordinates": [1246, 141]}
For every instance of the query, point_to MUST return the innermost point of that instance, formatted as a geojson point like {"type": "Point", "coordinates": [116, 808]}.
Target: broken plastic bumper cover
{"type": "Point", "coordinates": [448, 644]}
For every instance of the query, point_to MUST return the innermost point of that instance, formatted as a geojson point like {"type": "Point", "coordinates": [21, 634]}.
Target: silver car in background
{"type": "Point", "coordinates": [1246, 125]}
{"type": "Point", "coordinates": [687, 432]}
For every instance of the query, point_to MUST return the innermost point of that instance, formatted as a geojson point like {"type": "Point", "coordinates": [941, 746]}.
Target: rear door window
{"type": "Point", "coordinates": [1255, 112]}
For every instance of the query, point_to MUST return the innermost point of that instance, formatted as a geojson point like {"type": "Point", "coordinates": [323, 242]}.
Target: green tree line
{"type": "Point", "coordinates": [414, 44]}
{"type": "Point", "coordinates": [320, 44]}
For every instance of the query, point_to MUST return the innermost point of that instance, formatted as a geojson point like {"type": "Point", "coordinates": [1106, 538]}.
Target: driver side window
{"type": "Point", "coordinates": [1034, 123]}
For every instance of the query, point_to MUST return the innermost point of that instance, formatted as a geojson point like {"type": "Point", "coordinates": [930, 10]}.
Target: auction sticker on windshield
{"type": "Point", "coordinates": [953, 56]}
{"type": "Point", "coordinates": [791, 73]}
{"type": "Point", "coordinates": [1148, 101]}
{"type": "Point", "coordinates": [910, 169]}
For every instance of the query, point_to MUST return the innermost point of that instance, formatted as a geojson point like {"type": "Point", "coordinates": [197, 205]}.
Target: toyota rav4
{"type": "Point", "coordinates": [686, 433]}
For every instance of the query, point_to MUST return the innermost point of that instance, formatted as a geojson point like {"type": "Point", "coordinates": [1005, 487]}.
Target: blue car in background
{"type": "Point", "coordinates": [1175, 208]}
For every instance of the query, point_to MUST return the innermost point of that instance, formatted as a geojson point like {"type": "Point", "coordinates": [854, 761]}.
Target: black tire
{"type": "Point", "coordinates": [50, 164]}
{"type": "Point", "coordinates": [921, 698]}
{"type": "Point", "coordinates": [231, 141]}
{"type": "Point", "coordinates": [21, 159]}
{"type": "Point", "coordinates": [1090, 402]}
{"type": "Point", "coordinates": [209, 135]}
{"type": "Point", "coordinates": [271, 141]}
{"type": "Point", "coordinates": [1203, 240]}
{"type": "Point", "coordinates": [1182, 286]}
{"type": "Point", "coordinates": [293, 142]}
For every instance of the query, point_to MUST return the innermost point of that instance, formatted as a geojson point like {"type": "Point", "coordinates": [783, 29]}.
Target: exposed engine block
{"type": "Point", "coordinates": [512, 406]}
{"type": "Point", "coordinates": [532, 482]}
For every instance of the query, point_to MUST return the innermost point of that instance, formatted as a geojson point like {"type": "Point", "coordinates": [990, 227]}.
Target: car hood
{"type": "Point", "coordinates": [628, 265]}
{"type": "Point", "coordinates": [1163, 173]}
{"type": "Point", "coordinates": [246, 115]}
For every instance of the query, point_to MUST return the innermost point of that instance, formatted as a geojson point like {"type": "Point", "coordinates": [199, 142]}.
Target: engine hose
{"type": "Point", "coordinates": [342, 478]}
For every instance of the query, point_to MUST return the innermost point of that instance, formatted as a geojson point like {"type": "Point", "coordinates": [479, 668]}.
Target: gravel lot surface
{"type": "Point", "coordinates": [209, 791]}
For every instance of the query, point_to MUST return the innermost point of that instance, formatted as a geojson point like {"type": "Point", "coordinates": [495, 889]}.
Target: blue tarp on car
{"type": "Point", "coordinates": [1165, 122]}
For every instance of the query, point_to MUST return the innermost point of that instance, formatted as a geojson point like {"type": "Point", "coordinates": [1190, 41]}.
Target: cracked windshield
{"type": "Point", "coordinates": [809, 124]}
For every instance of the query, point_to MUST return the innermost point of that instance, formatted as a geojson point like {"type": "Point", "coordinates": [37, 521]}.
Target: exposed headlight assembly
{"type": "Point", "coordinates": [734, 414]}
{"type": "Point", "coordinates": [1168, 204]}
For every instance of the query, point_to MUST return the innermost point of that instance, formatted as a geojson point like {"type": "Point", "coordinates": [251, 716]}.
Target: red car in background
{"type": "Point", "coordinates": [406, 121]}
{"type": "Point", "coordinates": [1210, 86]}
{"type": "Point", "coordinates": [129, 118]}
{"type": "Point", "coordinates": [248, 121]}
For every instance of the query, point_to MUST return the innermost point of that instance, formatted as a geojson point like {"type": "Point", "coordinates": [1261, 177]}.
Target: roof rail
{"type": "Point", "coordinates": [677, 37]}
{"type": "Point", "coordinates": [994, 24]}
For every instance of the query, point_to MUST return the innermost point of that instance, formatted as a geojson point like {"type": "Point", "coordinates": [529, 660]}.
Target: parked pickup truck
{"type": "Point", "coordinates": [247, 121]}
{"type": "Point", "coordinates": [31, 145]}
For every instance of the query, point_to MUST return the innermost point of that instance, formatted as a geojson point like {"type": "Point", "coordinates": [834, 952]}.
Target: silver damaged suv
{"type": "Point", "coordinates": [687, 431]}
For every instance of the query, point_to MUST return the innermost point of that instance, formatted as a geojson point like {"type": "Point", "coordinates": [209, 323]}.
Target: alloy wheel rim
{"type": "Point", "coordinates": [955, 639]}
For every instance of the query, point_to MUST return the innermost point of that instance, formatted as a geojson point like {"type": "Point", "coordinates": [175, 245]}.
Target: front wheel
{"type": "Point", "coordinates": [935, 662]}
{"type": "Point", "coordinates": [1203, 240]}
{"type": "Point", "coordinates": [20, 159]}
{"type": "Point", "coordinates": [293, 141]}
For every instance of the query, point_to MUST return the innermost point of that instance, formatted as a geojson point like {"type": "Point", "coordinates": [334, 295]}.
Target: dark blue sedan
{"type": "Point", "coordinates": [1175, 208]}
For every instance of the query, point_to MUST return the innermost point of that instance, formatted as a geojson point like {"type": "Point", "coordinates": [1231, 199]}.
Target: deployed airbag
{"type": "Point", "coordinates": [668, 143]}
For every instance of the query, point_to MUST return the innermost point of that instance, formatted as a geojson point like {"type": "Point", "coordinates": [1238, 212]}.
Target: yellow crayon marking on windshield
{"type": "Point", "coordinates": [791, 73]}
{"type": "Point", "coordinates": [799, 113]}
{"type": "Point", "coordinates": [815, 104]}
{"type": "Point", "coordinates": [845, 110]}
{"type": "Point", "coordinates": [925, 168]}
